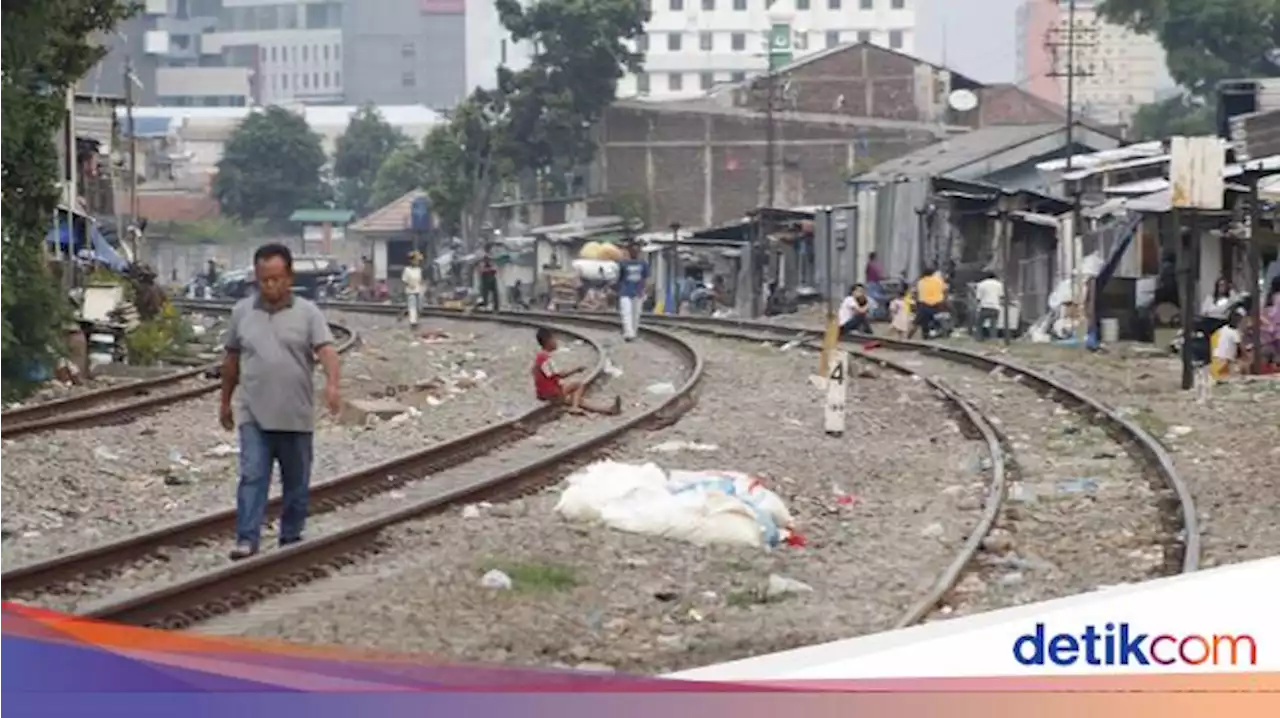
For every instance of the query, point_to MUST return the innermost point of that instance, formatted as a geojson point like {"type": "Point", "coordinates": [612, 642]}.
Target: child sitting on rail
{"type": "Point", "coordinates": [551, 387]}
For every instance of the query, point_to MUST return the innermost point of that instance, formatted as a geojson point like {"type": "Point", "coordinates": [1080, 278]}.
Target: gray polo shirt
{"type": "Point", "coordinates": [277, 362]}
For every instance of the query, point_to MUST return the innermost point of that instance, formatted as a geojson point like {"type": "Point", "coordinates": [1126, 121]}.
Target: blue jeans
{"type": "Point", "coordinates": [259, 450]}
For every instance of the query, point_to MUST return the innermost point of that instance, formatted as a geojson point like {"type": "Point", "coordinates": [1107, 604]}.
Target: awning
{"type": "Point", "coordinates": [1043, 220]}
{"type": "Point", "coordinates": [65, 238]}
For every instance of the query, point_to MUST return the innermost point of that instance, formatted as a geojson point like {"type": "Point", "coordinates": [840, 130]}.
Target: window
{"type": "Point", "coordinates": [706, 41]}
{"type": "Point", "coordinates": [895, 39]}
{"type": "Point", "coordinates": [706, 80]}
{"type": "Point", "coordinates": [676, 5]}
{"type": "Point", "coordinates": [802, 41]}
{"type": "Point", "coordinates": [835, 4]}
{"type": "Point", "coordinates": [738, 76]}
{"type": "Point", "coordinates": [738, 41]}
{"type": "Point", "coordinates": [315, 80]}
{"type": "Point", "coordinates": [284, 81]}
{"type": "Point", "coordinates": [675, 82]}
{"type": "Point", "coordinates": [642, 83]}
{"type": "Point", "coordinates": [708, 5]}
{"type": "Point", "coordinates": [407, 50]}
{"type": "Point", "coordinates": [864, 36]}
{"type": "Point", "coordinates": [326, 79]}
{"type": "Point", "coordinates": [304, 81]}
{"type": "Point", "coordinates": [642, 43]}
{"type": "Point", "coordinates": [502, 52]}
{"type": "Point", "coordinates": [739, 5]}
{"type": "Point", "coordinates": [673, 41]}
{"type": "Point", "coordinates": [802, 4]}
{"type": "Point", "coordinates": [867, 4]}
{"type": "Point", "coordinates": [408, 80]}
{"type": "Point", "coordinates": [326, 53]}
{"type": "Point", "coordinates": [288, 17]}
{"type": "Point", "coordinates": [898, 5]}
{"type": "Point", "coordinates": [304, 53]}
{"type": "Point", "coordinates": [833, 38]}
{"type": "Point", "coordinates": [337, 79]}
{"type": "Point", "coordinates": [273, 53]}
{"type": "Point", "coordinates": [337, 52]}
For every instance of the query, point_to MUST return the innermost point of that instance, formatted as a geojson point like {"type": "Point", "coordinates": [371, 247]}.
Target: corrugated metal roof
{"type": "Point", "coordinates": [393, 217]}
{"type": "Point", "coordinates": [956, 152]}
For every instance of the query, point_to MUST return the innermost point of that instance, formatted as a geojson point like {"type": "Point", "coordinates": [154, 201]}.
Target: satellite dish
{"type": "Point", "coordinates": [962, 100]}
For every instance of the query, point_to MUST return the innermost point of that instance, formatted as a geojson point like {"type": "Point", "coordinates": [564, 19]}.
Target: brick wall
{"type": "Point", "coordinates": [703, 168]}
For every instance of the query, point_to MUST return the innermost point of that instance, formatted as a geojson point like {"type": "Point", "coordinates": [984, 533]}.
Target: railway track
{"type": "Point", "coordinates": [209, 585]}
{"type": "Point", "coordinates": [126, 402]}
{"type": "Point", "coordinates": [963, 376]}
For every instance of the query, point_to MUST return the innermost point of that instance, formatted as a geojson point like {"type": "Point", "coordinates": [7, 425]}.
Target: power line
{"type": "Point", "coordinates": [1072, 37]}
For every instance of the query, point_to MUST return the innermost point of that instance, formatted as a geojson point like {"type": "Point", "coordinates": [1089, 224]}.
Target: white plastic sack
{"type": "Point", "coordinates": [596, 269]}
{"type": "Point", "coordinates": [700, 507]}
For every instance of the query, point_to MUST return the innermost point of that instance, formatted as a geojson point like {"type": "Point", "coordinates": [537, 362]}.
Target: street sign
{"type": "Point", "coordinates": [420, 215]}
{"type": "Point", "coordinates": [837, 391]}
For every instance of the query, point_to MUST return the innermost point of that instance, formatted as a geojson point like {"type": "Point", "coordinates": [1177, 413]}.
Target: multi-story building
{"type": "Point", "coordinates": [220, 53]}
{"type": "Point", "coordinates": [1117, 70]}
{"type": "Point", "coordinates": [489, 45]}
{"type": "Point", "coordinates": [692, 45]}
{"type": "Point", "coordinates": [406, 52]}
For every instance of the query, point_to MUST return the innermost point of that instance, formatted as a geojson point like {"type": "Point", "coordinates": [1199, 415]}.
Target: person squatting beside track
{"type": "Point", "coordinates": [633, 272]}
{"type": "Point", "coordinates": [273, 341]}
{"type": "Point", "coordinates": [550, 386]}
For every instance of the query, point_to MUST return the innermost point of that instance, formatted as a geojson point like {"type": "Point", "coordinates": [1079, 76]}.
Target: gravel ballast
{"type": "Point", "coordinates": [67, 490]}
{"type": "Point", "coordinates": [882, 508]}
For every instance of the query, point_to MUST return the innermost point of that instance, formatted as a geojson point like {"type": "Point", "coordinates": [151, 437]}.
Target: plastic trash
{"type": "Point", "coordinates": [781, 586]}
{"type": "Point", "coordinates": [102, 453]}
{"type": "Point", "coordinates": [665, 388]}
{"type": "Point", "coordinates": [496, 580]}
{"type": "Point", "coordinates": [470, 511]}
{"type": "Point", "coordinates": [700, 507]}
{"type": "Point", "coordinates": [671, 447]}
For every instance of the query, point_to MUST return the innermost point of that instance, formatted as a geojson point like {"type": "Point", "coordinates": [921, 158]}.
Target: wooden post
{"type": "Point", "coordinates": [1189, 264]}
{"type": "Point", "coordinates": [1259, 292]}
{"type": "Point", "coordinates": [1006, 269]}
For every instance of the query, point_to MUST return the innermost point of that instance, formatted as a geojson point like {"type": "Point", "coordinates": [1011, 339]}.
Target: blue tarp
{"type": "Point", "coordinates": [103, 252]}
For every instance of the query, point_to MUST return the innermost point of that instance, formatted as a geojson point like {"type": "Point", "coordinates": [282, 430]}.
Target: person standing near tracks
{"type": "Point", "coordinates": [489, 281]}
{"type": "Point", "coordinates": [414, 287]}
{"type": "Point", "coordinates": [633, 272]}
{"type": "Point", "coordinates": [273, 342]}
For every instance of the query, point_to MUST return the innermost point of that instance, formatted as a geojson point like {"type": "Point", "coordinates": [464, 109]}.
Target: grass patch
{"type": "Point", "coordinates": [537, 577]}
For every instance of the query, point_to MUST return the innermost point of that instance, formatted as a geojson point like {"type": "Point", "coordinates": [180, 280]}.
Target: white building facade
{"type": "Point", "coordinates": [489, 45]}
{"type": "Point", "coordinates": [236, 53]}
{"type": "Point", "coordinates": [692, 45]}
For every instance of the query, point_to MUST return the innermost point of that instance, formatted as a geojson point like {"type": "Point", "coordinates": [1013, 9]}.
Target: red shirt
{"type": "Point", "coordinates": [546, 382]}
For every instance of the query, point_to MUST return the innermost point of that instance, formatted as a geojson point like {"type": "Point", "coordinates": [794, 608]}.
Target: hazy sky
{"type": "Point", "coordinates": [979, 36]}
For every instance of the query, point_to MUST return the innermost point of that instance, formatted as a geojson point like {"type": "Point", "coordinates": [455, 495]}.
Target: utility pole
{"type": "Point", "coordinates": [780, 54]}
{"type": "Point", "coordinates": [1071, 39]}
{"type": "Point", "coordinates": [134, 229]}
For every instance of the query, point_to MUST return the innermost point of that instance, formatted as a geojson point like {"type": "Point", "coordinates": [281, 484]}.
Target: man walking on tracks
{"type": "Point", "coordinates": [273, 342]}
{"type": "Point", "coordinates": [489, 281]}
{"type": "Point", "coordinates": [633, 272]}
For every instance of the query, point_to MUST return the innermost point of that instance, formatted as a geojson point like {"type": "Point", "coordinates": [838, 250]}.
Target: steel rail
{"type": "Point", "coordinates": [212, 593]}
{"type": "Point", "coordinates": [104, 561]}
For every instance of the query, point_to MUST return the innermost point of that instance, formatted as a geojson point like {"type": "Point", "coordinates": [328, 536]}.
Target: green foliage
{"type": "Point", "coordinates": [404, 170]}
{"type": "Point", "coordinates": [271, 166]}
{"type": "Point", "coordinates": [46, 48]}
{"type": "Point", "coordinates": [153, 340]}
{"type": "Point", "coordinates": [214, 230]}
{"type": "Point", "coordinates": [1207, 40]}
{"type": "Point", "coordinates": [1179, 115]}
{"type": "Point", "coordinates": [361, 151]}
{"type": "Point", "coordinates": [538, 121]}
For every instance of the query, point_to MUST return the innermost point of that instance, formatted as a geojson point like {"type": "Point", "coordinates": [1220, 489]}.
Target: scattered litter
{"type": "Point", "coordinates": [792, 344]}
{"type": "Point", "coordinates": [1077, 486]}
{"type": "Point", "coordinates": [222, 450]}
{"type": "Point", "coordinates": [470, 511]}
{"type": "Point", "coordinates": [496, 579]}
{"type": "Point", "coordinates": [665, 388]}
{"type": "Point", "coordinates": [701, 507]}
{"type": "Point", "coordinates": [611, 369]}
{"type": "Point", "coordinates": [433, 401]}
{"type": "Point", "coordinates": [175, 457]}
{"type": "Point", "coordinates": [102, 453]}
{"type": "Point", "coordinates": [781, 586]}
{"type": "Point", "coordinates": [671, 447]}
{"type": "Point", "coordinates": [1175, 431]}
{"type": "Point", "coordinates": [934, 530]}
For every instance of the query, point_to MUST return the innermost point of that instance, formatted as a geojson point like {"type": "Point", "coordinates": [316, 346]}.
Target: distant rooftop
{"type": "Point", "coordinates": [316, 115]}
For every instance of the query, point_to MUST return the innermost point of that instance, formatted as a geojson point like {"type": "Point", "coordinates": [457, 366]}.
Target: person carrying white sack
{"type": "Point", "coordinates": [633, 272]}
{"type": "Point", "coordinates": [414, 286]}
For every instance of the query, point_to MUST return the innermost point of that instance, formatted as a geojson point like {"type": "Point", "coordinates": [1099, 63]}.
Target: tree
{"type": "Point", "coordinates": [46, 48]}
{"type": "Point", "coordinates": [271, 166]}
{"type": "Point", "coordinates": [404, 170]}
{"type": "Point", "coordinates": [1206, 40]}
{"type": "Point", "coordinates": [361, 150]}
{"type": "Point", "coordinates": [1180, 115]}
